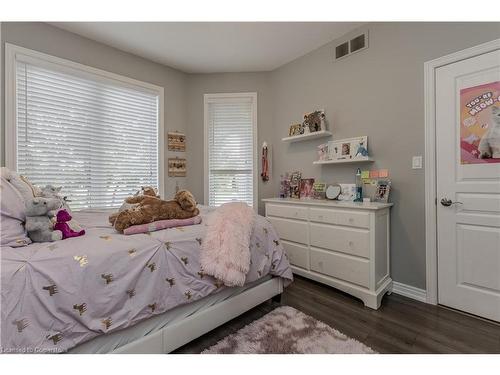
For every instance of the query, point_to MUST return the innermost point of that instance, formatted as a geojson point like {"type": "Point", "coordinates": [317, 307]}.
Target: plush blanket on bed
{"type": "Point", "coordinates": [59, 294]}
{"type": "Point", "coordinates": [225, 253]}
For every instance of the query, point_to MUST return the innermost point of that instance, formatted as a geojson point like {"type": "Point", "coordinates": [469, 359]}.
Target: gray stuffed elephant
{"type": "Point", "coordinates": [38, 219]}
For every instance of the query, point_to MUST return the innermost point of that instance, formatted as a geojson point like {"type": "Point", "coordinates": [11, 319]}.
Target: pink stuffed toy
{"type": "Point", "coordinates": [62, 218]}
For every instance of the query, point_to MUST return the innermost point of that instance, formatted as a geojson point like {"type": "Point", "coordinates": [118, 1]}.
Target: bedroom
{"type": "Point", "coordinates": [353, 241]}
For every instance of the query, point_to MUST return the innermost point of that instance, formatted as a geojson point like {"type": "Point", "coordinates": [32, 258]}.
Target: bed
{"type": "Point", "coordinates": [110, 293]}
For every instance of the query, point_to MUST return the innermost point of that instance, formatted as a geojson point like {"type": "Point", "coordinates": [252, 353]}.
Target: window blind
{"type": "Point", "coordinates": [95, 138]}
{"type": "Point", "coordinates": [230, 151]}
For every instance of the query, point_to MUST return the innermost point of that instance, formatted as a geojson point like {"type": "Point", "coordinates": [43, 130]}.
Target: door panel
{"type": "Point", "coordinates": [477, 247]}
{"type": "Point", "coordinates": [469, 229]}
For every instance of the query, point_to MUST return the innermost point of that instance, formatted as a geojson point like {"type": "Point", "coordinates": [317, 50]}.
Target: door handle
{"type": "Point", "coordinates": [448, 202]}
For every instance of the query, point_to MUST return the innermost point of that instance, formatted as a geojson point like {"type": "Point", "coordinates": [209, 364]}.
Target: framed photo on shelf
{"type": "Point", "coordinates": [295, 129]}
{"type": "Point", "coordinates": [349, 148]}
{"type": "Point", "coordinates": [315, 121]}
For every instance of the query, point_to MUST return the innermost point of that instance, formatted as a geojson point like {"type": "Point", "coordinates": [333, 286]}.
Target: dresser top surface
{"type": "Point", "coordinates": [327, 203]}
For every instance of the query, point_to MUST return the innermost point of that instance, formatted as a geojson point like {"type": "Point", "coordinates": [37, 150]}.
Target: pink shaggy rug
{"type": "Point", "coordinates": [286, 330]}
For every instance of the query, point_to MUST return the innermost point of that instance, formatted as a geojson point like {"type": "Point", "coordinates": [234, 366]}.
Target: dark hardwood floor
{"type": "Point", "coordinates": [401, 325]}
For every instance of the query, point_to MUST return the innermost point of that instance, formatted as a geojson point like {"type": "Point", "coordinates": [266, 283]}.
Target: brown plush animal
{"type": "Point", "coordinates": [150, 209]}
{"type": "Point", "coordinates": [131, 202]}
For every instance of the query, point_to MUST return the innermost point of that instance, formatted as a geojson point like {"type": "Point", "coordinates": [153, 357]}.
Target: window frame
{"type": "Point", "coordinates": [221, 97]}
{"type": "Point", "coordinates": [14, 53]}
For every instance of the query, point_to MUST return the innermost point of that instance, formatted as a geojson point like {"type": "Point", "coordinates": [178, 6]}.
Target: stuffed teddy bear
{"type": "Point", "coordinates": [150, 209]}
{"type": "Point", "coordinates": [38, 220]}
{"type": "Point", "coordinates": [63, 217]}
{"type": "Point", "coordinates": [131, 202]}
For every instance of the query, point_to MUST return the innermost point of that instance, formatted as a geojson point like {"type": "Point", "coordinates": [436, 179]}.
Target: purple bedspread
{"type": "Point", "coordinates": [60, 294]}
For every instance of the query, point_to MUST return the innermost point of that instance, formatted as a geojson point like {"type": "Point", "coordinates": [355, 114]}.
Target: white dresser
{"type": "Point", "coordinates": [342, 244]}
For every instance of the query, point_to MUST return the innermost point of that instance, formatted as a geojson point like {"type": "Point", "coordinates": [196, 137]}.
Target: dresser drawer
{"type": "Point", "coordinates": [292, 212]}
{"type": "Point", "coordinates": [322, 215]}
{"type": "Point", "coordinates": [346, 240]}
{"type": "Point", "coordinates": [298, 255]}
{"type": "Point", "coordinates": [292, 230]}
{"type": "Point", "coordinates": [340, 266]}
{"type": "Point", "coordinates": [353, 219]}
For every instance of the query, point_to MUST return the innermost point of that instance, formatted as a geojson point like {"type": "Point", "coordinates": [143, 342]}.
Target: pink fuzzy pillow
{"type": "Point", "coordinates": [162, 224]}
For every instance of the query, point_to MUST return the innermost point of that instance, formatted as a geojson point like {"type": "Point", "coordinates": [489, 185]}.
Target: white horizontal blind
{"type": "Point", "coordinates": [97, 139]}
{"type": "Point", "coordinates": [230, 151]}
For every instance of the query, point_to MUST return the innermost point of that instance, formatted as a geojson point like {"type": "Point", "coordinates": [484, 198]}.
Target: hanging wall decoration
{"type": "Point", "coordinates": [176, 167]}
{"type": "Point", "coordinates": [176, 141]}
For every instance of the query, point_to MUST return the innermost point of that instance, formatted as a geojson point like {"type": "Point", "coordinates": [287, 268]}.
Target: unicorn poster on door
{"type": "Point", "coordinates": [480, 124]}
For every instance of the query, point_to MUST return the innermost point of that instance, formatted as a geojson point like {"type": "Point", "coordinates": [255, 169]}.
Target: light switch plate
{"type": "Point", "coordinates": [416, 162]}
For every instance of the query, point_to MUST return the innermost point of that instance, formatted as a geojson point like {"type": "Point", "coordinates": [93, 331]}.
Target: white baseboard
{"type": "Point", "coordinates": [409, 291]}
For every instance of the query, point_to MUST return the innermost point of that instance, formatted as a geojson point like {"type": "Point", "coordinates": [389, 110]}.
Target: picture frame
{"type": "Point", "coordinates": [349, 148]}
{"type": "Point", "coordinates": [177, 167]}
{"type": "Point", "coordinates": [176, 141]}
{"type": "Point", "coordinates": [295, 129]}
{"type": "Point", "coordinates": [347, 192]}
{"type": "Point", "coordinates": [383, 190]}
{"type": "Point", "coordinates": [295, 178]}
{"type": "Point", "coordinates": [315, 121]}
{"type": "Point", "coordinates": [319, 190]}
{"type": "Point", "coordinates": [306, 188]}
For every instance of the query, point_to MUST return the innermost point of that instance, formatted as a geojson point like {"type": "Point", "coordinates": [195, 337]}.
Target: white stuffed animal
{"type": "Point", "coordinates": [50, 191]}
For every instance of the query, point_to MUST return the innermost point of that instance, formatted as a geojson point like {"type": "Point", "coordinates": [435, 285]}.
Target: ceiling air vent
{"type": "Point", "coordinates": [350, 45]}
{"type": "Point", "coordinates": [342, 50]}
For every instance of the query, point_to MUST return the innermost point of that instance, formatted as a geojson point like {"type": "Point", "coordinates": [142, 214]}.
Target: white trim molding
{"type": "Point", "coordinates": [430, 160]}
{"type": "Point", "coordinates": [409, 291]}
{"type": "Point", "coordinates": [207, 98]}
{"type": "Point", "coordinates": [15, 53]}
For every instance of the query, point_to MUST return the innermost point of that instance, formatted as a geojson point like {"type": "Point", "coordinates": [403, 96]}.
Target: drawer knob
{"type": "Point", "coordinates": [351, 220]}
{"type": "Point", "coordinates": [351, 243]}
{"type": "Point", "coordinates": [320, 216]}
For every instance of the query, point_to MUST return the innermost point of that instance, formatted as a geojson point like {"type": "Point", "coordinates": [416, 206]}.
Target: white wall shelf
{"type": "Point", "coordinates": [305, 137]}
{"type": "Point", "coordinates": [342, 161]}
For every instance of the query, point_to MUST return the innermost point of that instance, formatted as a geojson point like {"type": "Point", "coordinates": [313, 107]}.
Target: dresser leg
{"type": "Point", "coordinates": [374, 301]}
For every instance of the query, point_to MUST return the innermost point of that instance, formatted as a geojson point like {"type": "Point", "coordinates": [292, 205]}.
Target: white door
{"type": "Point", "coordinates": [468, 184]}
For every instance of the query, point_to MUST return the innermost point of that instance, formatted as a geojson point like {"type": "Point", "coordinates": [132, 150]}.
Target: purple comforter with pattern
{"type": "Point", "coordinates": [58, 295]}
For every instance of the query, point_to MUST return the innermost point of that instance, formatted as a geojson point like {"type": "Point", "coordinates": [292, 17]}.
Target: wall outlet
{"type": "Point", "coordinates": [416, 162]}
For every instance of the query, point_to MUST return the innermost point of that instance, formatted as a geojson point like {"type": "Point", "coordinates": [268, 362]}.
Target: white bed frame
{"type": "Point", "coordinates": [174, 335]}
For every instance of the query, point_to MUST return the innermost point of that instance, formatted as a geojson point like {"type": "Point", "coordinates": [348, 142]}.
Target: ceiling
{"type": "Point", "coordinates": [214, 47]}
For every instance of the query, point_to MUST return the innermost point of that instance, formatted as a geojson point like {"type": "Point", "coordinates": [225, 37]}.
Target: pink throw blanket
{"type": "Point", "coordinates": [162, 224]}
{"type": "Point", "coordinates": [225, 252]}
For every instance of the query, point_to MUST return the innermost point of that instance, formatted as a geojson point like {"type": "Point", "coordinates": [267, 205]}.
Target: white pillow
{"type": "Point", "coordinates": [12, 210]}
{"type": "Point", "coordinates": [27, 190]}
